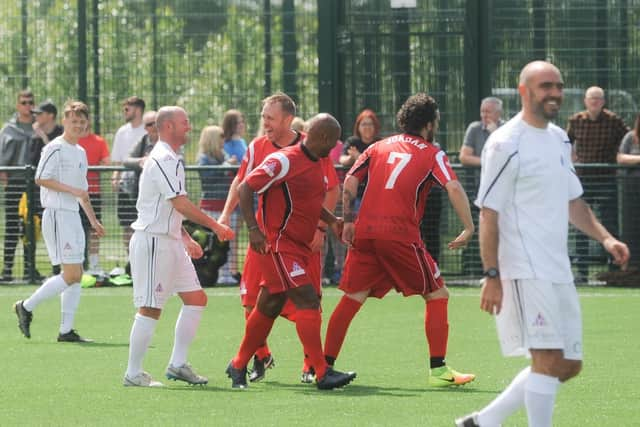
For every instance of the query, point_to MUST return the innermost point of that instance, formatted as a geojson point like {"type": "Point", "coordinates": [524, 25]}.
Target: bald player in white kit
{"type": "Point", "coordinates": [159, 253]}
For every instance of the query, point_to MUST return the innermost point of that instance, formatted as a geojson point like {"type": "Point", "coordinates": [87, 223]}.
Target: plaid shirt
{"type": "Point", "coordinates": [596, 141]}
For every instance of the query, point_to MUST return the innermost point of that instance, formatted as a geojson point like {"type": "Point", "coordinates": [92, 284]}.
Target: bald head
{"type": "Point", "coordinates": [594, 101]}
{"type": "Point", "coordinates": [535, 68]}
{"type": "Point", "coordinates": [322, 136]}
{"type": "Point", "coordinates": [173, 125]}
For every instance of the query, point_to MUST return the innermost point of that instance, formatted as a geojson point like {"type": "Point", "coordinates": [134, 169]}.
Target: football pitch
{"type": "Point", "coordinates": [50, 383]}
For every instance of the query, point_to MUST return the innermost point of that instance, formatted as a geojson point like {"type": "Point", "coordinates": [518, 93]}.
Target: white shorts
{"type": "Point", "coordinates": [160, 268]}
{"type": "Point", "coordinates": [540, 315]}
{"type": "Point", "coordinates": [64, 236]}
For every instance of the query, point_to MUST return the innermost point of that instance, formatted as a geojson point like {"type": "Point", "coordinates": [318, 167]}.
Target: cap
{"type": "Point", "coordinates": [46, 107]}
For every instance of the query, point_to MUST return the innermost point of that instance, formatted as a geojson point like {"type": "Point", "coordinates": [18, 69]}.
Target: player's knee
{"type": "Point", "coordinates": [569, 369]}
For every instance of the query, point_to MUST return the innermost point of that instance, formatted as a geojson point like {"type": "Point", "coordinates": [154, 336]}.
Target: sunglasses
{"type": "Point", "coordinates": [26, 102]}
{"type": "Point", "coordinates": [148, 125]}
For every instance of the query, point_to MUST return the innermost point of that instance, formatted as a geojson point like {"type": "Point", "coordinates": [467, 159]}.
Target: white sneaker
{"type": "Point", "coordinates": [185, 373]}
{"type": "Point", "coordinates": [143, 379]}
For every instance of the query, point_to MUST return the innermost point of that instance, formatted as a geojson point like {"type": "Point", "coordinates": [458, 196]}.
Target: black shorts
{"type": "Point", "coordinates": [96, 202]}
{"type": "Point", "coordinates": [126, 209]}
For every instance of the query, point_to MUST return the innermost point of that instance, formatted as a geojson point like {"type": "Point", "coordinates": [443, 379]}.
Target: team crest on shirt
{"type": "Point", "coordinates": [67, 246]}
{"type": "Point", "coordinates": [297, 270]}
{"type": "Point", "coordinates": [159, 287]}
{"type": "Point", "coordinates": [270, 166]}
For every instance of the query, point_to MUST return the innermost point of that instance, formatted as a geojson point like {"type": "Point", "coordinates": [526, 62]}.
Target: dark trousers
{"type": "Point", "coordinates": [601, 193]}
{"type": "Point", "coordinates": [12, 195]}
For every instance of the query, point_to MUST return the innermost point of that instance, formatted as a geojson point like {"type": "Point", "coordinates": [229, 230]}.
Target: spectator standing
{"type": "Point", "coordinates": [596, 134]}
{"type": "Point", "coordinates": [474, 139]}
{"type": "Point", "coordinates": [366, 130]}
{"type": "Point", "coordinates": [214, 182]}
{"type": "Point", "coordinates": [123, 183]}
{"type": "Point", "coordinates": [234, 128]}
{"type": "Point", "coordinates": [528, 194]}
{"type": "Point", "coordinates": [62, 177]}
{"type": "Point", "coordinates": [14, 151]}
{"type": "Point", "coordinates": [160, 252]}
{"type": "Point", "coordinates": [385, 249]}
{"type": "Point", "coordinates": [45, 129]}
{"type": "Point", "coordinates": [97, 152]}
{"type": "Point", "coordinates": [139, 153]}
{"type": "Point", "coordinates": [291, 186]}
{"type": "Point", "coordinates": [629, 154]}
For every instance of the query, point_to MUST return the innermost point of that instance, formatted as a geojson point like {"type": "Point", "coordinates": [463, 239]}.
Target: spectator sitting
{"type": "Point", "coordinates": [234, 127]}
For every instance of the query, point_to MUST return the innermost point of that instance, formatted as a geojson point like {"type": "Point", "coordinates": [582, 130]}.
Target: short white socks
{"type": "Point", "coordinates": [139, 340]}
{"type": "Point", "coordinates": [186, 327]}
{"type": "Point", "coordinates": [49, 289]}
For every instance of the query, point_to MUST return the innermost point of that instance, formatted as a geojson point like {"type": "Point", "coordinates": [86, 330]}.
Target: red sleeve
{"type": "Point", "coordinates": [361, 166]}
{"type": "Point", "coordinates": [330, 173]}
{"type": "Point", "coordinates": [104, 152]}
{"type": "Point", "coordinates": [274, 169]}
{"type": "Point", "coordinates": [442, 170]}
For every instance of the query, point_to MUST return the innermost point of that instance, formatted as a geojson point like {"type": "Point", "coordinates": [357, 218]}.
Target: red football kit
{"type": "Point", "coordinates": [257, 151]}
{"type": "Point", "coordinates": [291, 184]}
{"type": "Point", "coordinates": [387, 249]}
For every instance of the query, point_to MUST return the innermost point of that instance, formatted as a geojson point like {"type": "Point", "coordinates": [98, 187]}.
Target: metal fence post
{"type": "Point", "coordinates": [29, 224]}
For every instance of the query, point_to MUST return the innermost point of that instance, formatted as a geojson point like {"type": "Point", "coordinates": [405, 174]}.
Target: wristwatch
{"type": "Point", "coordinates": [491, 273]}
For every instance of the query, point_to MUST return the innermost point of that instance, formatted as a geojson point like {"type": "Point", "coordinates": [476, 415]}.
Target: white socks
{"type": "Point", "coordinates": [69, 301]}
{"type": "Point", "coordinates": [537, 392]}
{"type": "Point", "coordinates": [139, 340]}
{"type": "Point", "coordinates": [186, 327]}
{"type": "Point", "coordinates": [509, 401]}
{"type": "Point", "coordinates": [49, 289]}
{"type": "Point", "coordinates": [539, 398]}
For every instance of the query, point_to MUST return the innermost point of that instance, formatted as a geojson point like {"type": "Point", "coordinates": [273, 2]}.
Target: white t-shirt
{"type": "Point", "coordinates": [162, 179]}
{"type": "Point", "coordinates": [65, 163]}
{"type": "Point", "coordinates": [528, 178]}
{"type": "Point", "coordinates": [124, 140]}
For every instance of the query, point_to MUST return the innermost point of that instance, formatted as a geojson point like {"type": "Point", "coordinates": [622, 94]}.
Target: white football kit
{"type": "Point", "coordinates": [61, 225]}
{"type": "Point", "coordinates": [528, 178]}
{"type": "Point", "coordinates": [160, 265]}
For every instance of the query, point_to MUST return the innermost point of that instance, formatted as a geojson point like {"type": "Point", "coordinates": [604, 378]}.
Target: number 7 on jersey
{"type": "Point", "coordinates": [403, 162]}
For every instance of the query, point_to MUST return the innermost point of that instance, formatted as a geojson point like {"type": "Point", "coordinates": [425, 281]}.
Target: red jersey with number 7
{"type": "Point", "coordinates": [400, 171]}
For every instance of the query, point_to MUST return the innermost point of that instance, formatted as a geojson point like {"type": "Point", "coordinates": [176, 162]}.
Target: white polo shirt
{"type": "Point", "coordinates": [65, 163]}
{"type": "Point", "coordinates": [162, 179]}
{"type": "Point", "coordinates": [528, 178]}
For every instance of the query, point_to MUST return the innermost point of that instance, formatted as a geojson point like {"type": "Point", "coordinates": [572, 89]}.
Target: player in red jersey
{"type": "Point", "coordinates": [385, 249]}
{"type": "Point", "coordinates": [291, 186]}
{"type": "Point", "coordinates": [278, 111]}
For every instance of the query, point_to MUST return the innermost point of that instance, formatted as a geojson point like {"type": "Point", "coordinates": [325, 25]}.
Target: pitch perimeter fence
{"type": "Point", "coordinates": [615, 198]}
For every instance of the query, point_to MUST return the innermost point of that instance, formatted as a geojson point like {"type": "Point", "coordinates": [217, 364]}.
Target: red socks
{"type": "Point", "coordinates": [436, 326]}
{"type": "Point", "coordinates": [262, 351]}
{"type": "Point", "coordinates": [340, 320]}
{"type": "Point", "coordinates": [308, 322]}
{"type": "Point", "coordinates": [257, 329]}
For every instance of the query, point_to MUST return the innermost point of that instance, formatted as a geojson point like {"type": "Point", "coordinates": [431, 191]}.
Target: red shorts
{"type": "Point", "coordinates": [252, 276]}
{"type": "Point", "coordinates": [380, 265]}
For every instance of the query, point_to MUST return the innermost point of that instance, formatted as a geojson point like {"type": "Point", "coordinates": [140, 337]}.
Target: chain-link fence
{"type": "Point", "coordinates": [614, 199]}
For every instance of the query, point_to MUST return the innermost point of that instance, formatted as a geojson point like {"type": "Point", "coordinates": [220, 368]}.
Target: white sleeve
{"type": "Point", "coordinates": [118, 154]}
{"type": "Point", "coordinates": [498, 175]}
{"type": "Point", "coordinates": [575, 186]}
{"type": "Point", "coordinates": [169, 177]}
{"type": "Point", "coordinates": [48, 167]}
